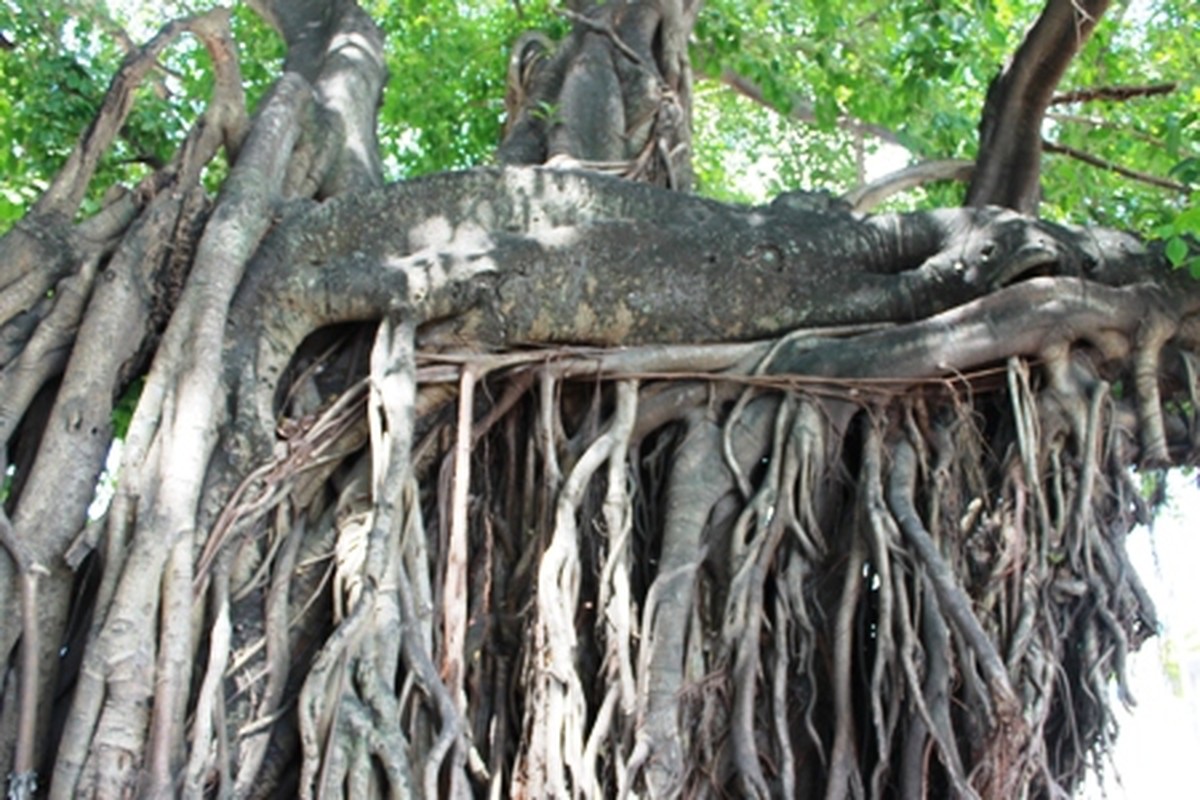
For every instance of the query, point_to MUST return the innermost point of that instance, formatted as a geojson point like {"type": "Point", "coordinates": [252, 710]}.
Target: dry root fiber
{"type": "Point", "coordinates": [578, 575]}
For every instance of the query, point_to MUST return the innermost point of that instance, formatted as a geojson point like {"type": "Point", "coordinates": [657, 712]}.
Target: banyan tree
{"type": "Point", "coordinates": [553, 478]}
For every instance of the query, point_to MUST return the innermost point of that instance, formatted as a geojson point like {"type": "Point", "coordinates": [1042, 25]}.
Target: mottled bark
{"type": "Point", "coordinates": [528, 481]}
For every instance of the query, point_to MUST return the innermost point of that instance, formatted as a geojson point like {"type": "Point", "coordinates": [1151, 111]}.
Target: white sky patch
{"type": "Point", "coordinates": [1159, 740]}
{"type": "Point", "coordinates": [884, 160]}
{"type": "Point", "coordinates": [142, 18]}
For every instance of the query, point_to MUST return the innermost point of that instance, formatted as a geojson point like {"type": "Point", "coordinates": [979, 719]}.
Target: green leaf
{"type": "Point", "coordinates": [1177, 251]}
{"type": "Point", "coordinates": [1188, 221]}
{"type": "Point", "coordinates": [1187, 170]}
{"type": "Point", "coordinates": [122, 413]}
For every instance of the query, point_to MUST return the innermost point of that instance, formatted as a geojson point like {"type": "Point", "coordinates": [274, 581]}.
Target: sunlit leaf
{"type": "Point", "coordinates": [1176, 251]}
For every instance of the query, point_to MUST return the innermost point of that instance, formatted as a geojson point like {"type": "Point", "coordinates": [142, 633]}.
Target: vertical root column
{"type": "Point", "coordinates": [553, 759]}
{"type": "Point", "coordinates": [351, 707]}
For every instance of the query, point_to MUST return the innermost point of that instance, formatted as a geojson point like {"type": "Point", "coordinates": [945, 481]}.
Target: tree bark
{"type": "Point", "coordinates": [615, 96]}
{"type": "Point", "coordinates": [528, 481]}
{"type": "Point", "coordinates": [1010, 132]}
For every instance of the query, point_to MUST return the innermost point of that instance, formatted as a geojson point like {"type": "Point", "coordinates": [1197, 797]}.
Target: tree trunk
{"type": "Point", "coordinates": [529, 481]}
{"type": "Point", "coordinates": [1010, 131]}
{"type": "Point", "coordinates": [616, 96]}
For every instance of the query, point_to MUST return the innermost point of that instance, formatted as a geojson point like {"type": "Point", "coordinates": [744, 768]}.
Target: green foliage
{"type": "Point", "coordinates": [53, 71]}
{"type": "Point", "coordinates": [917, 69]}
{"type": "Point", "coordinates": [122, 412]}
{"type": "Point", "coordinates": [54, 77]}
{"type": "Point", "coordinates": [921, 70]}
{"type": "Point", "coordinates": [444, 103]}
{"type": "Point", "coordinates": [1181, 238]}
{"type": "Point", "coordinates": [747, 153]}
{"type": "Point", "coordinates": [1136, 45]}
{"type": "Point", "coordinates": [260, 54]}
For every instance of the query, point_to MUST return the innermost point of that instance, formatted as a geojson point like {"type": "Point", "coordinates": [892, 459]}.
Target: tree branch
{"type": "Point", "coordinates": [867, 196]}
{"type": "Point", "coordinates": [1112, 93]}
{"type": "Point", "coordinates": [1010, 144]}
{"type": "Point", "coordinates": [66, 191]}
{"type": "Point", "coordinates": [802, 109]}
{"type": "Point", "coordinates": [1105, 124]}
{"type": "Point", "coordinates": [1095, 161]}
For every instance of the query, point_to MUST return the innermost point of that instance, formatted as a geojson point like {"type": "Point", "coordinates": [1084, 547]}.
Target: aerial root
{"type": "Point", "coordinates": [556, 727]}
{"type": "Point", "coordinates": [1155, 333]}
{"type": "Point", "coordinates": [618, 623]}
{"type": "Point", "coordinates": [754, 540]}
{"type": "Point", "coordinates": [895, 670]}
{"type": "Point", "coordinates": [694, 484]}
{"type": "Point", "coordinates": [686, 575]}
{"type": "Point", "coordinates": [845, 776]}
{"type": "Point", "coordinates": [935, 611]}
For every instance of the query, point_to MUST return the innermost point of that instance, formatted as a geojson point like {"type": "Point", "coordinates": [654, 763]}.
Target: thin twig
{"type": "Point", "coordinates": [1112, 93]}
{"type": "Point", "coordinates": [1095, 161]}
{"type": "Point", "coordinates": [803, 110]}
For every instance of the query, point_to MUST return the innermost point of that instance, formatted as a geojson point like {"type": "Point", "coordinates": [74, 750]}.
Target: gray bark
{"type": "Point", "coordinates": [321, 577]}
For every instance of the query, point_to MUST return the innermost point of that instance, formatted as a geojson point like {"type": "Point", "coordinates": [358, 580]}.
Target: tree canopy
{"type": "Point", "coordinates": [476, 443]}
{"type": "Point", "coordinates": [788, 94]}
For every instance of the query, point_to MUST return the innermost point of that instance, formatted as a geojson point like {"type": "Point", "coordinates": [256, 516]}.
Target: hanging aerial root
{"type": "Point", "coordinates": [845, 775]}
{"type": "Point", "coordinates": [1001, 766]}
{"type": "Point", "coordinates": [22, 780]}
{"type": "Point", "coordinates": [455, 588]}
{"type": "Point", "coordinates": [1153, 335]}
{"type": "Point", "coordinates": [806, 585]}
{"type": "Point", "coordinates": [255, 735]}
{"type": "Point", "coordinates": [352, 681]}
{"type": "Point", "coordinates": [754, 541]}
{"type": "Point", "coordinates": [903, 645]}
{"type": "Point", "coordinates": [618, 626]}
{"type": "Point", "coordinates": [553, 756]}
{"type": "Point", "coordinates": [897, 646]}
{"type": "Point", "coordinates": [695, 483]}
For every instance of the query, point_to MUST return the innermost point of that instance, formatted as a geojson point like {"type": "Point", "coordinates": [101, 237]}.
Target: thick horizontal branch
{"type": "Point", "coordinates": [505, 257]}
{"type": "Point", "coordinates": [1026, 319]}
{"type": "Point", "coordinates": [614, 262]}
